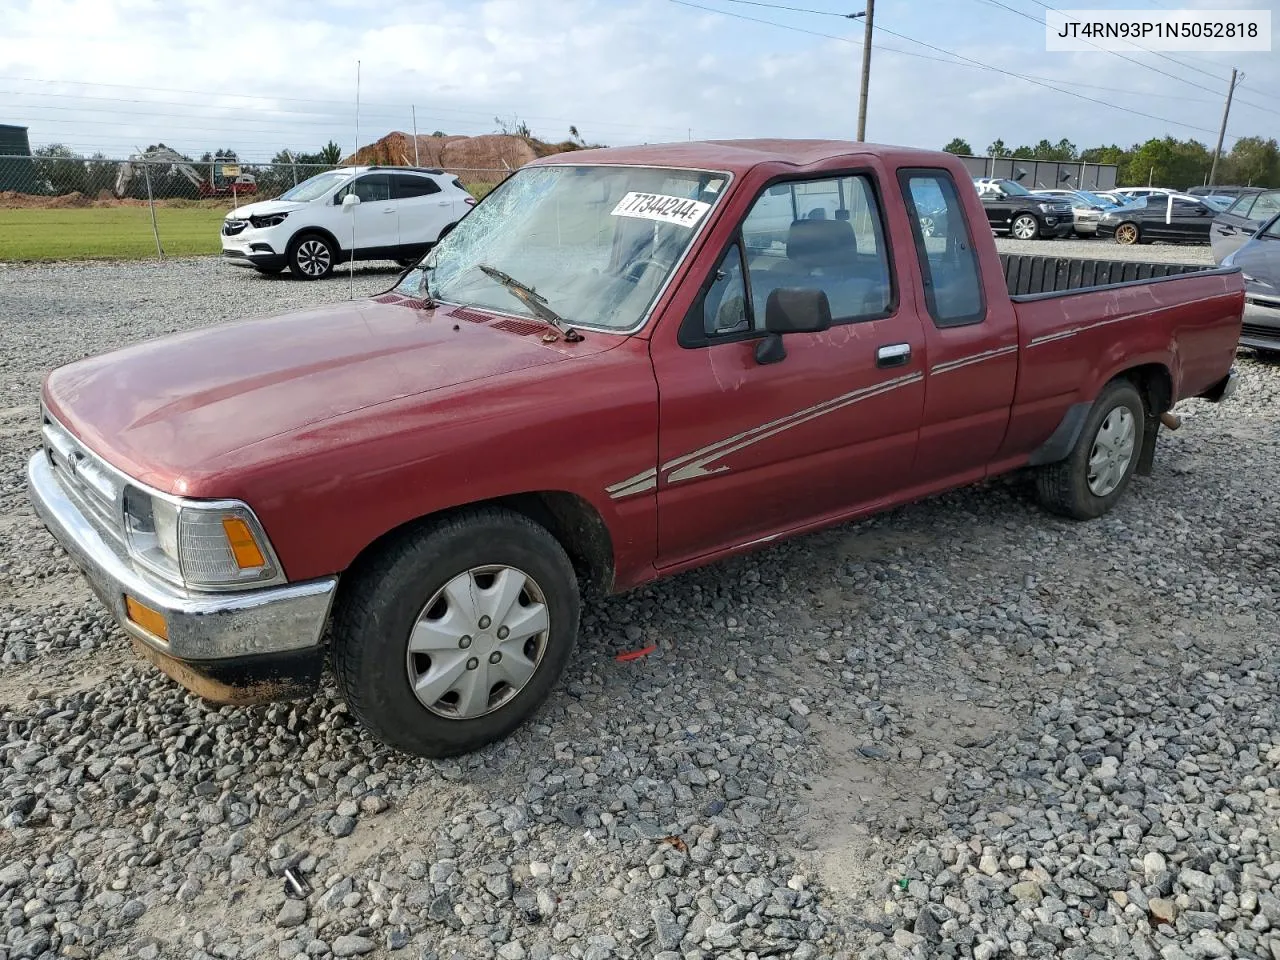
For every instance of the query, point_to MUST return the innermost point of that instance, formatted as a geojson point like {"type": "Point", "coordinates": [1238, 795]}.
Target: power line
{"type": "Point", "coordinates": [949, 53]}
{"type": "Point", "coordinates": [783, 6]}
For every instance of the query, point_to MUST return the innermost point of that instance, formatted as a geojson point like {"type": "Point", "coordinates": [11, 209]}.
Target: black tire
{"type": "Point", "coordinates": [382, 601]}
{"type": "Point", "coordinates": [407, 262]}
{"type": "Point", "coordinates": [1063, 487]}
{"type": "Point", "coordinates": [311, 256]}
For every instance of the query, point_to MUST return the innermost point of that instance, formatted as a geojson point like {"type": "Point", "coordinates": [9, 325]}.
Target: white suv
{"type": "Point", "coordinates": [401, 213]}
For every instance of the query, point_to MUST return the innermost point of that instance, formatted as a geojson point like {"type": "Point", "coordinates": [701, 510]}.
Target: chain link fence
{"type": "Point", "coordinates": [171, 205]}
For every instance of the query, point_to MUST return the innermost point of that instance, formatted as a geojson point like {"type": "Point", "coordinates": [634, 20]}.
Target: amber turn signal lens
{"type": "Point", "coordinates": [148, 619]}
{"type": "Point", "coordinates": [243, 547]}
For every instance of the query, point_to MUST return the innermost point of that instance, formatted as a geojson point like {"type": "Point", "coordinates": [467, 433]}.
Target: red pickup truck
{"type": "Point", "coordinates": [623, 363]}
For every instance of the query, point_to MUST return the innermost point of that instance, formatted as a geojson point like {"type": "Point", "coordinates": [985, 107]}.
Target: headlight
{"type": "Point", "coordinates": [1229, 260]}
{"type": "Point", "coordinates": [204, 546]}
{"type": "Point", "coordinates": [1045, 207]}
{"type": "Point", "coordinates": [268, 219]}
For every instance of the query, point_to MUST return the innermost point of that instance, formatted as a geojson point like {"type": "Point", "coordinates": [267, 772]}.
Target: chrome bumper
{"type": "Point", "coordinates": [201, 626]}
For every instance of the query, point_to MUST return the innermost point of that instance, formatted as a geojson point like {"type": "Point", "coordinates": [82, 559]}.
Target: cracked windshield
{"type": "Point", "coordinates": [597, 244]}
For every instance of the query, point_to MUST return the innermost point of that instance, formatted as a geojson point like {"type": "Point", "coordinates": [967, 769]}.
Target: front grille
{"type": "Point", "coordinates": [231, 227]}
{"type": "Point", "coordinates": [1260, 332]}
{"type": "Point", "coordinates": [95, 487]}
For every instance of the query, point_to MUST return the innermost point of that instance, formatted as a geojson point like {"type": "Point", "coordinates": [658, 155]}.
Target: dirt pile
{"type": "Point", "coordinates": [493, 151]}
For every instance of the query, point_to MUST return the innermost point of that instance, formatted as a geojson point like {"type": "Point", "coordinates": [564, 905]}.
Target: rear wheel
{"type": "Point", "coordinates": [1025, 227]}
{"type": "Point", "coordinates": [311, 257]}
{"type": "Point", "coordinates": [1128, 234]}
{"type": "Point", "coordinates": [456, 632]}
{"type": "Point", "coordinates": [1093, 476]}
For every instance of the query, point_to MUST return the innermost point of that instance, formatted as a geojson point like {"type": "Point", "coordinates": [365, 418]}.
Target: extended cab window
{"type": "Point", "coordinates": [944, 246]}
{"type": "Point", "coordinates": [406, 186]}
{"type": "Point", "coordinates": [817, 234]}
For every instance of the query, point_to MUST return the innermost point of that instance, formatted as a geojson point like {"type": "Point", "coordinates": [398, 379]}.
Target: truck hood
{"type": "Point", "coordinates": [262, 208]}
{"type": "Point", "coordinates": [171, 410]}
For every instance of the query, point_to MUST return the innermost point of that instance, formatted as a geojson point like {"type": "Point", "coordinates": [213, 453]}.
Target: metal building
{"type": "Point", "coordinates": [16, 169]}
{"type": "Point", "coordinates": [1045, 174]}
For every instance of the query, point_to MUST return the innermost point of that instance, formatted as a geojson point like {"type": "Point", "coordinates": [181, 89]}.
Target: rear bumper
{"type": "Point", "coordinates": [1224, 389]}
{"type": "Point", "coordinates": [239, 647]}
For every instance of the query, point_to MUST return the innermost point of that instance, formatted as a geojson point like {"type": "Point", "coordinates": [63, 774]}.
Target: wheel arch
{"type": "Point", "coordinates": [570, 518]}
{"type": "Point", "coordinates": [1154, 384]}
{"type": "Point", "coordinates": [339, 255]}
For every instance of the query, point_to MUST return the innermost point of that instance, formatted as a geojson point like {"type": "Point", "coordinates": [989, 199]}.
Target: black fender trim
{"type": "Point", "coordinates": [1063, 440]}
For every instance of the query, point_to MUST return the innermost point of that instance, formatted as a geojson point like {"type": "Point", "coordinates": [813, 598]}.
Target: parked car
{"type": "Point", "coordinates": [400, 212]}
{"type": "Point", "coordinates": [1242, 220]}
{"type": "Point", "coordinates": [1086, 211]}
{"type": "Point", "coordinates": [597, 378]}
{"type": "Point", "coordinates": [1140, 193]}
{"type": "Point", "coordinates": [1222, 191]}
{"type": "Point", "coordinates": [1259, 260]}
{"type": "Point", "coordinates": [1171, 217]}
{"type": "Point", "coordinates": [1012, 208]}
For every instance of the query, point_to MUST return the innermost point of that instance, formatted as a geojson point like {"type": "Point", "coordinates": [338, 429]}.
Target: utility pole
{"type": "Point", "coordinates": [869, 16]}
{"type": "Point", "coordinates": [1222, 130]}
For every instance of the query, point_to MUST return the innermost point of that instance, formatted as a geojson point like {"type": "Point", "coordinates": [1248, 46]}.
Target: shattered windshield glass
{"type": "Point", "coordinates": [597, 243]}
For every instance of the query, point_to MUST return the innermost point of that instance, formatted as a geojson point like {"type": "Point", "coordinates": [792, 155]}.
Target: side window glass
{"type": "Point", "coordinates": [408, 185]}
{"type": "Point", "coordinates": [1242, 206]}
{"type": "Point", "coordinates": [369, 189]}
{"type": "Point", "coordinates": [724, 308]}
{"type": "Point", "coordinates": [952, 281]}
{"type": "Point", "coordinates": [822, 235]}
{"type": "Point", "coordinates": [1266, 206]}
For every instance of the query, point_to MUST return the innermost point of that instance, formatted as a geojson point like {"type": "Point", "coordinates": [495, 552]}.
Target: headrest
{"type": "Point", "coordinates": [821, 240]}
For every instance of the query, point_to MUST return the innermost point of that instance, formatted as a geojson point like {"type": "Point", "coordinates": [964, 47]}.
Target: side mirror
{"type": "Point", "coordinates": [791, 310]}
{"type": "Point", "coordinates": [350, 201]}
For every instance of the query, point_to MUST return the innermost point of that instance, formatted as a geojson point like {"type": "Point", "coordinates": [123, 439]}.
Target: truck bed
{"type": "Point", "coordinates": [1026, 274]}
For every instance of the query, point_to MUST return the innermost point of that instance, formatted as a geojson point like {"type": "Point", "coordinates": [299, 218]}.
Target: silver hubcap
{"type": "Point", "coordinates": [1024, 228]}
{"type": "Point", "coordinates": [1111, 453]}
{"type": "Point", "coordinates": [478, 642]}
{"type": "Point", "coordinates": [313, 258]}
{"type": "Point", "coordinates": [926, 226]}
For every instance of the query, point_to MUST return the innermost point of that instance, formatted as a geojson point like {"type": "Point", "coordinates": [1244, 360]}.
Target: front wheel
{"type": "Point", "coordinates": [311, 257]}
{"type": "Point", "coordinates": [1025, 227]}
{"type": "Point", "coordinates": [1127, 233]}
{"type": "Point", "coordinates": [1093, 476]}
{"type": "Point", "coordinates": [455, 632]}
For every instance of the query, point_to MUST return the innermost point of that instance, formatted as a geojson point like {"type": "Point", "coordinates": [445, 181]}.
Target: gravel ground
{"type": "Point", "coordinates": [964, 729]}
{"type": "Point", "coordinates": [1109, 250]}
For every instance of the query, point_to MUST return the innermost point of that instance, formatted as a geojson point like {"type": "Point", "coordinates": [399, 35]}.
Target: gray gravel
{"type": "Point", "coordinates": [1094, 248]}
{"type": "Point", "coordinates": [965, 729]}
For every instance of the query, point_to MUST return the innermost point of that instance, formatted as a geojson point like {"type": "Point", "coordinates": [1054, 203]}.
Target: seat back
{"type": "Point", "coordinates": [822, 244]}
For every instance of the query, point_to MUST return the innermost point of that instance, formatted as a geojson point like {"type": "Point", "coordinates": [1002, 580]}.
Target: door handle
{"type": "Point", "coordinates": [388, 209]}
{"type": "Point", "coordinates": [893, 355]}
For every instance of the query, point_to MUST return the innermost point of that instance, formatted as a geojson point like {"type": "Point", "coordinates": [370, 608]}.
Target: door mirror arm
{"type": "Point", "coordinates": [770, 349]}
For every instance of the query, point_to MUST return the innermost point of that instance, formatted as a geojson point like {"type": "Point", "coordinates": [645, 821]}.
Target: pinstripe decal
{"type": "Point", "coordinates": [641, 482]}
{"type": "Point", "coordinates": [975, 358]}
{"type": "Point", "coordinates": [698, 463]}
{"type": "Point", "coordinates": [1083, 328]}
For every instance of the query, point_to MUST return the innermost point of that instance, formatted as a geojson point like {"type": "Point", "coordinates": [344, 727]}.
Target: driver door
{"type": "Point", "coordinates": [374, 217]}
{"type": "Point", "coordinates": [748, 450]}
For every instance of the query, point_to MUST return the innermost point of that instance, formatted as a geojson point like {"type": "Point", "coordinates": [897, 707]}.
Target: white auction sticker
{"type": "Point", "coordinates": [660, 207]}
{"type": "Point", "coordinates": [1186, 30]}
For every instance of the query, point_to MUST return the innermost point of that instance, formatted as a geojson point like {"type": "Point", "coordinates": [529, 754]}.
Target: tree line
{"type": "Point", "coordinates": [56, 169]}
{"type": "Point", "coordinates": [1166, 161]}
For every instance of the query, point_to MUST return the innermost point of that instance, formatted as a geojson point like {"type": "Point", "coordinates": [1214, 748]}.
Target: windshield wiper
{"type": "Point", "coordinates": [536, 303]}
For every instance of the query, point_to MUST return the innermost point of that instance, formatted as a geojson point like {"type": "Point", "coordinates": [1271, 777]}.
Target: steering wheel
{"type": "Point", "coordinates": [637, 268]}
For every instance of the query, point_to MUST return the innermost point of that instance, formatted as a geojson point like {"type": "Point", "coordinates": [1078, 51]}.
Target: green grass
{"type": "Point", "coordinates": [124, 233]}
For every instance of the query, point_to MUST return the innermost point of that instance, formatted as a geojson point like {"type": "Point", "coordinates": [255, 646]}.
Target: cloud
{"type": "Point", "coordinates": [198, 75]}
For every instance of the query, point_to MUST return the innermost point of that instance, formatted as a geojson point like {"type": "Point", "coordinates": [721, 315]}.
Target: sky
{"type": "Point", "coordinates": [113, 75]}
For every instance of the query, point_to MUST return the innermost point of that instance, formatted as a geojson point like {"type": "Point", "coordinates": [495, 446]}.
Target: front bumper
{"type": "Point", "coordinates": [258, 259]}
{"type": "Point", "coordinates": [260, 644]}
{"type": "Point", "coordinates": [1261, 328]}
